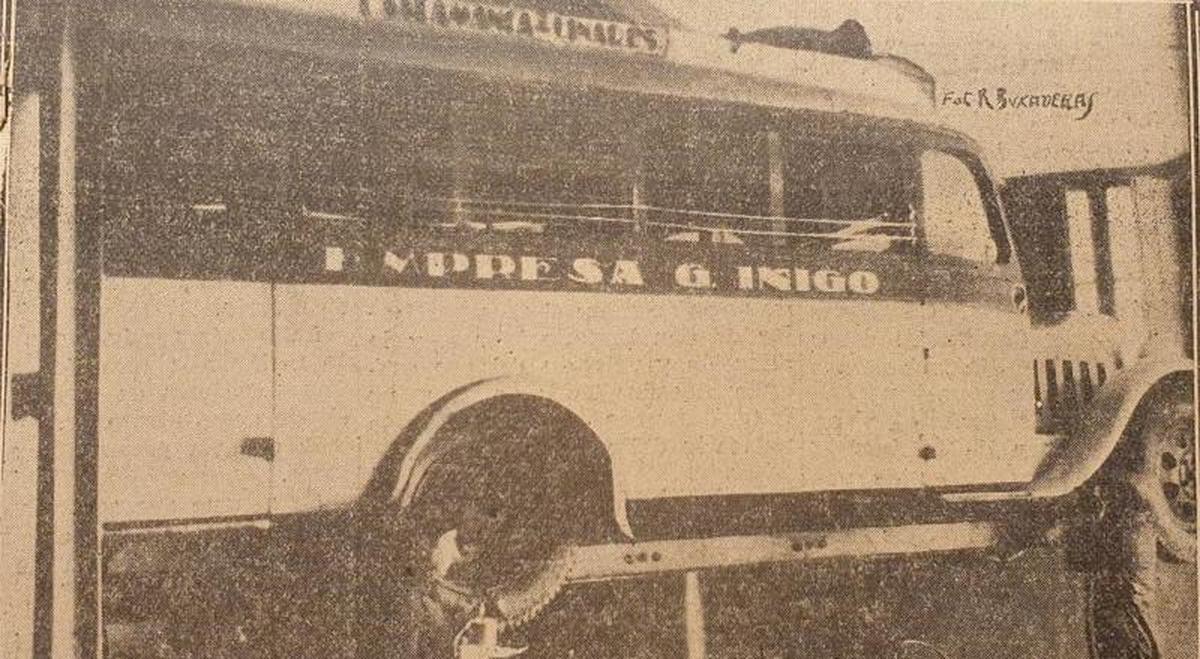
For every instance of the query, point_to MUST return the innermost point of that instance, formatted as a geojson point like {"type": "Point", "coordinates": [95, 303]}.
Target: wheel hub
{"type": "Point", "coordinates": [1177, 473]}
{"type": "Point", "coordinates": [461, 582]}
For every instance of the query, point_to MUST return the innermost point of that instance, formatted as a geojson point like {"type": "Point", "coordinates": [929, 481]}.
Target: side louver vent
{"type": "Point", "coordinates": [1062, 389]}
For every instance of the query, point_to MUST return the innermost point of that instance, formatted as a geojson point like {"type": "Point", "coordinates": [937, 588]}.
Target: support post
{"type": "Point", "coordinates": [776, 205]}
{"type": "Point", "coordinates": [65, 565]}
{"type": "Point", "coordinates": [693, 612]}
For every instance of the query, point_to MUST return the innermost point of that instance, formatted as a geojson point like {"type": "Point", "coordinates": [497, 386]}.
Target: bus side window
{"type": "Point", "coordinates": [539, 164]}
{"type": "Point", "coordinates": [955, 221]}
{"type": "Point", "coordinates": [849, 196]}
{"type": "Point", "coordinates": [706, 177]}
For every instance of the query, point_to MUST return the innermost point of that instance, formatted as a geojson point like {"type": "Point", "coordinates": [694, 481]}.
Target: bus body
{"type": "Point", "coordinates": [743, 279]}
{"type": "Point", "coordinates": [327, 229]}
{"type": "Point", "coordinates": [721, 273]}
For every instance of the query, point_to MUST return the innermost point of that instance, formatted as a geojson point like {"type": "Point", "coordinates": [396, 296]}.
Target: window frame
{"type": "Point", "coordinates": [989, 199]}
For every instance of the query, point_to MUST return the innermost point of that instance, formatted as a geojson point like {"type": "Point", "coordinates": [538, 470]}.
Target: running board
{"type": "Point", "coordinates": [987, 497]}
{"type": "Point", "coordinates": [623, 561]}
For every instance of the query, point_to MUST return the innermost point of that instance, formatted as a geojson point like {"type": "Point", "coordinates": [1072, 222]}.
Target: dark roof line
{"type": "Point", "coordinates": [1178, 166]}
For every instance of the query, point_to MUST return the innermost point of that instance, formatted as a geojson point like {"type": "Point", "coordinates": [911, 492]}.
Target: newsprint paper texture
{"type": "Point", "coordinates": [456, 329]}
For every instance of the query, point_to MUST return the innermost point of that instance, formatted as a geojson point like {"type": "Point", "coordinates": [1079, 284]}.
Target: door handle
{"type": "Point", "coordinates": [259, 447]}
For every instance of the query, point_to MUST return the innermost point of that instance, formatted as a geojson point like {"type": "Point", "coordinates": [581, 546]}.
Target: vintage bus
{"type": "Point", "coordinates": [521, 296]}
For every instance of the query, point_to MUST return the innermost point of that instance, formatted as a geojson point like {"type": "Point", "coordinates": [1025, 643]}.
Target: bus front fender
{"type": "Point", "coordinates": [1101, 427]}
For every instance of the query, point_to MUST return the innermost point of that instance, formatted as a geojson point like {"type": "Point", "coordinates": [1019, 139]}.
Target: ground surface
{"type": "Point", "coordinates": [965, 607]}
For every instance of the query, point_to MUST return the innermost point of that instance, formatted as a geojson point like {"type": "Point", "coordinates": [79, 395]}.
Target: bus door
{"type": "Point", "coordinates": [185, 321]}
{"type": "Point", "coordinates": [978, 423]}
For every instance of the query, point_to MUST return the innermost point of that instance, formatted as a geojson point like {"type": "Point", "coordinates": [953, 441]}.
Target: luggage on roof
{"type": "Point", "coordinates": [848, 40]}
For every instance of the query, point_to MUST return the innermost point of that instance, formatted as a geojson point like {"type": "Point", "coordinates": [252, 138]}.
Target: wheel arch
{"type": "Point", "coordinates": [418, 446]}
{"type": "Point", "coordinates": [1107, 425]}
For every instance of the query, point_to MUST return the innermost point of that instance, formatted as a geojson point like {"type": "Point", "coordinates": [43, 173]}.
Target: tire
{"type": "Point", "coordinates": [488, 519]}
{"type": "Point", "coordinates": [1163, 473]}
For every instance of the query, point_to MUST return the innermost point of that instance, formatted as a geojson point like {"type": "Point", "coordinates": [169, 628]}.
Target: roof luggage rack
{"type": "Point", "coordinates": [848, 40]}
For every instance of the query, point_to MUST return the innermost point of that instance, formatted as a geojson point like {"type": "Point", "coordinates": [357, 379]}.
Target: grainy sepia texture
{"type": "Point", "coordinates": [598, 328]}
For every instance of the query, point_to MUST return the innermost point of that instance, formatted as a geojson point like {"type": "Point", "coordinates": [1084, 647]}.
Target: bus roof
{"type": "Point", "coordinates": [636, 56]}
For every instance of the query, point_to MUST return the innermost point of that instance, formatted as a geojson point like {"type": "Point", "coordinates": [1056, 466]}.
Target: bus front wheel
{"type": "Point", "coordinates": [1164, 470]}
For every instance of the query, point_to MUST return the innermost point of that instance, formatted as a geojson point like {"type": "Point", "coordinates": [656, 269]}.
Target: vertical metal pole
{"type": "Point", "coordinates": [461, 177]}
{"type": "Point", "coordinates": [65, 360]}
{"type": "Point", "coordinates": [693, 616]}
{"type": "Point", "coordinates": [42, 35]}
{"type": "Point", "coordinates": [775, 178]}
{"type": "Point", "coordinates": [638, 198]}
{"type": "Point", "coordinates": [635, 152]}
{"type": "Point", "coordinates": [85, 348]}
